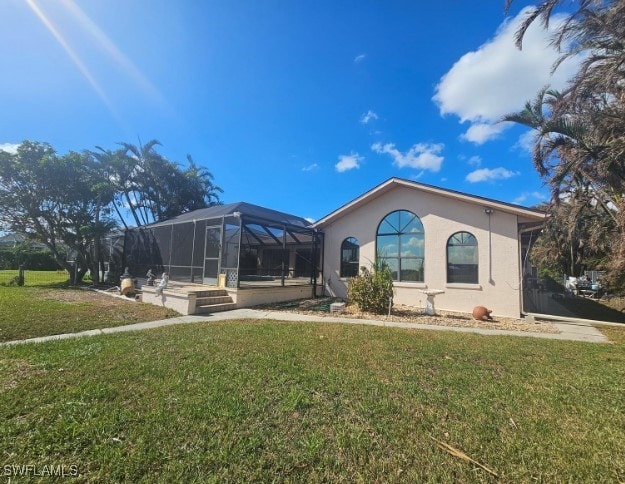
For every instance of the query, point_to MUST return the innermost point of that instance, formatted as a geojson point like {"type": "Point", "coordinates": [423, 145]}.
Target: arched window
{"type": "Point", "coordinates": [350, 257]}
{"type": "Point", "coordinates": [400, 243]}
{"type": "Point", "coordinates": [462, 258]}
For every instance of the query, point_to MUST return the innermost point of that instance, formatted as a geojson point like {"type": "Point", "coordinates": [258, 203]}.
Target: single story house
{"type": "Point", "coordinates": [472, 248]}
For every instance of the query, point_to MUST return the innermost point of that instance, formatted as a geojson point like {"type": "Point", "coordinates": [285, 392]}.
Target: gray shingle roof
{"type": "Point", "coordinates": [246, 209]}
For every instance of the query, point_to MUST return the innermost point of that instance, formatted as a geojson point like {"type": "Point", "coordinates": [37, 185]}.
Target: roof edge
{"type": "Point", "coordinates": [396, 181]}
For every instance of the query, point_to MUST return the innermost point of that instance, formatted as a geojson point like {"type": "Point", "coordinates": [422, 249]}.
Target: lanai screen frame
{"type": "Point", "coordinates": [288, 238]}
{"type": "Point", "coordinates": [179, 247]}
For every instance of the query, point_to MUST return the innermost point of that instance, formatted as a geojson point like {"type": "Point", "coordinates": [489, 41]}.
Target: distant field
{"type": "Point", "coordinates": [35, 278]}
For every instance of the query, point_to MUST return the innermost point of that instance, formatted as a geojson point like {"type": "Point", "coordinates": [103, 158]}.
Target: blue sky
{"type": "Point", "coordinates": [297, 106]}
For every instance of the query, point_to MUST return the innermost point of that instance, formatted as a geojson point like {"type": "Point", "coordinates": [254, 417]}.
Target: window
{"type": "Point", "coordinates": [350, 255]}
{"type": "Point", "coordinates": [400, 243]}
{"type": "Point", "coordinates": [462, 258]}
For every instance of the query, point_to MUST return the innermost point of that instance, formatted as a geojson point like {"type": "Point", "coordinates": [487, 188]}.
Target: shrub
{"type": "Point", "coordinates": [32, 258]}
{"type": "Point", "coordinates": [372, 290]}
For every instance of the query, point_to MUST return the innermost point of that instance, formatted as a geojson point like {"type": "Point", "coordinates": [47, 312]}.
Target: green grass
{"type": "Point", "coordinates": [35, 278]}
{"type": "Point", "coordinates": [265, 401]}
{"type": "Point", "coordinates": [591, 309]}
{"type": "Point", "coordinates": [27, 312]}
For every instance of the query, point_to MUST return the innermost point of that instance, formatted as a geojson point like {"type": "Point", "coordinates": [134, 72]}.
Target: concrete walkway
{"type": "Point", "coordinates": [568, 331]}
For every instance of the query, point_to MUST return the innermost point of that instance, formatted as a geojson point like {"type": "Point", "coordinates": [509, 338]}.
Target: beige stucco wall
{"type": "Point", "coordinates": [182, 302]}
{"type": "Point", "coordinates": [250, 297]}
{"type": "Point", "coordinates": [441, 217]}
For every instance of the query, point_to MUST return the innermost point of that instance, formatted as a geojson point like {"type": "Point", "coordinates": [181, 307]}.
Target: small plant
{"type": "Point", "coordinates": [372, 289]}
{"type": "Point", "coordinates": [16, 281]}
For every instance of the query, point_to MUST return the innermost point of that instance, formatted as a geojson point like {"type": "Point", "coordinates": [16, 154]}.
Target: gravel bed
{"type": "Point", "coordinates": [409, 314]}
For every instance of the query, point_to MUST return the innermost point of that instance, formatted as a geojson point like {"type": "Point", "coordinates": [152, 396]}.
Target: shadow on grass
{"type": "Point", "coordinates": [590, 309]}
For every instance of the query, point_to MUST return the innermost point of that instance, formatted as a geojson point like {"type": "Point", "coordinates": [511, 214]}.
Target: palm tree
{"type": "Point", "coordinates": [119, 174]}
{"type": "Point", "coordinates": [580, 132]}
{"type": "Point", "coordinates": [149, 174]}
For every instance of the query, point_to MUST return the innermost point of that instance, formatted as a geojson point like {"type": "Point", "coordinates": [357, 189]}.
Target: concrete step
{"type": "Point", "coordinates": [214, 308]}
{"type": "Point", "coordinates": [208, 300]}
{"type": "Point", "coordinates": [211, 293]}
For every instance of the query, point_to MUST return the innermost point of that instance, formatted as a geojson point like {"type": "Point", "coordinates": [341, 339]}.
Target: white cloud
{"type": "Point", "coordinates": [537, 196]}
{"type": "Point", "coordinates": [310, 219]}
{"type": "Point", "coordinates": [348, 162]}
{"type": "Point", "coordinates": [312, 167]}
{"type": "Point", "coordinates": [359, 58]}
{"type": "Point", "coordinates": [487, 174]}
{"type": "Point", "coordinates": [520, 199]}
{"type": "Point", "coordinates": [526, 141]}
{"type": "Point", "coordinates": [497, 78]}
{"type": "Point", "coordinates": [475, 161]}
{"type": "Point", "coordinates": [368, 116]}
{"type": "Point", "coordinates": [9, 147]}
{"type": "Point", "coordinates": [424, 156]}
{"type": "Point", "coordinates": [480, 133]}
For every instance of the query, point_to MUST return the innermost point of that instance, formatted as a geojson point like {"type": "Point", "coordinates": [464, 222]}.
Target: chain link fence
{"type": "Point", "coordinates": [32, 278]}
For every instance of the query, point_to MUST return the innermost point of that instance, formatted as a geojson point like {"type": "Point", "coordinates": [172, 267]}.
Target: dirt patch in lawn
{"type": "Point", "coordinates": [15, 372]}
{"type": "Point", "coordinates": [28, 312]}
{"type": "Point", "coordinates": [81, 295]}
{"type": "Point", "coordinates": [410, 314]}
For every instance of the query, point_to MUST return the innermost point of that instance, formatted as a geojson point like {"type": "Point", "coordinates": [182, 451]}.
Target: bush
{"type": "Point", "coordinates": [33, 259]}
{"type": "Point", "coordinates": [372, 290]}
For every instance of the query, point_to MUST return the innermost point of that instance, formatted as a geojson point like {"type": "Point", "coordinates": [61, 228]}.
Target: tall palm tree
{"type": "Point", "coordinates": [119, 174]}
{"type": "Point", "coordinates": [580, 132]}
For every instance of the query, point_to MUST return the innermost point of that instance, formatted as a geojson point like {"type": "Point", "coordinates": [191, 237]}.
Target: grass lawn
{"type": "Point", "coordinates": [591, 309]}
{"type": "Point", "coordinates": [35, 278]}
{"type": "Point", "coordinates": [266, 401]}
{"type": "Point", "coordinates": [27, 312]}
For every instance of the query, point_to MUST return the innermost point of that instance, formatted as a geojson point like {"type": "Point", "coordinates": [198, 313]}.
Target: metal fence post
{"type": "Point", "coordinates": [20, 276]}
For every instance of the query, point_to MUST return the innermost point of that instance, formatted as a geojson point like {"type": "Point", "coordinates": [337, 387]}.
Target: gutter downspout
{"type": "Point", "coordinates": [489, 212]}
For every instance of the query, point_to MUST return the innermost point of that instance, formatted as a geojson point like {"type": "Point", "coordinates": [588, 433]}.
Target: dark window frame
{"type": "Point", "coordinates": [350, 267]}
{"type": "Point", "coordinates": [470, 272]}
{"type": "Point", "coordinates": [401, 260]}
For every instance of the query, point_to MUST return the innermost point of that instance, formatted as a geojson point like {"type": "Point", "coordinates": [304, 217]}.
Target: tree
{"type": "Point", "coordinates": [70, 202]}
{"type": "Point", "coordinates": [573, 239]}
{"type": "Point", "coordinates": [118, 170]}
{"type": "Point", "coordinates": [153, 188]}
{"type": "Point", "coordinates": [580, 132]}
{"type": "Point", "coordinates": [59, 201]}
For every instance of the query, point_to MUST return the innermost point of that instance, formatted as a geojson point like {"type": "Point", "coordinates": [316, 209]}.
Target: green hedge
{"type": "Point", "coordinates": [33, 259]}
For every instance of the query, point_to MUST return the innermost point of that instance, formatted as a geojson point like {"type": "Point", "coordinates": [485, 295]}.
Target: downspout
{"type": "Point", "coordinates": [489, 212]}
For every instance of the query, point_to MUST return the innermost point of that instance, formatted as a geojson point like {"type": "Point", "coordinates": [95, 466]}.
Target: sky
{"type": "Point", "coordinates": [298, 106]}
